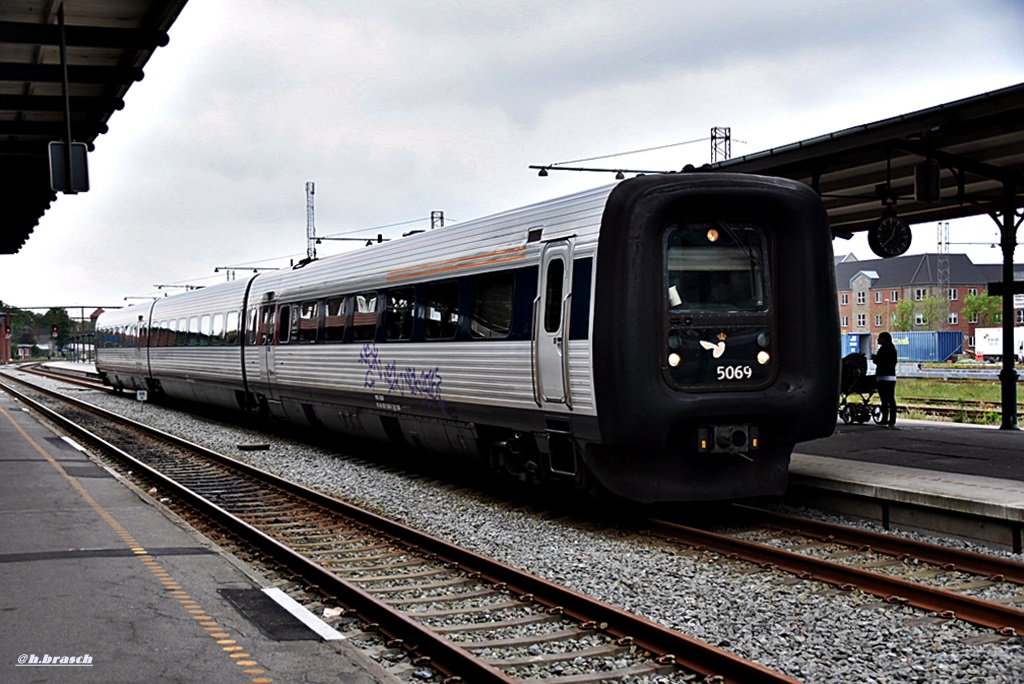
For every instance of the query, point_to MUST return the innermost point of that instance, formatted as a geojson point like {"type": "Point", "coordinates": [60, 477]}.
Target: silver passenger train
{"type": "Point", "coordinates": [668, 338]}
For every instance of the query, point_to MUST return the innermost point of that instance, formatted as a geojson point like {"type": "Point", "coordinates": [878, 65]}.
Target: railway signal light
{"type": "Point", "coordinates": [53, 332]}
{"type": "Point", "coordinates": [7, 331]}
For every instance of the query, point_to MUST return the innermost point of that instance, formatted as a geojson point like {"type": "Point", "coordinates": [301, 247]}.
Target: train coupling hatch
{"type": "Point", "coordinates": [728, 439]}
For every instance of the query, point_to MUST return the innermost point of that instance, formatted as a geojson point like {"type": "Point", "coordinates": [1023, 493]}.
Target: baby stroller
{"type": "Point", "coordinates": [854, 379]}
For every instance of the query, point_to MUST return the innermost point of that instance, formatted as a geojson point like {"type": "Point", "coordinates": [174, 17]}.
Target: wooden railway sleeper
{"type": "Point", "coordinates": [526, 640]}
{"type": "Point", "coordinates": [342, 567]}
{"type": "Point", "coordinates": [392, 578]}
{"type": "Point", "coordinates": [490, 608]}
{"type": "Point", "coordinates": [446, 598]}
{"type": "Point", "coordinates": [531, 619]}
{"type": "Point", "coordinates": [603, 650]}
{"type": "Point", "coordinates": [377, 560]}
{"type": "Point", "coordinates": [454, 582]}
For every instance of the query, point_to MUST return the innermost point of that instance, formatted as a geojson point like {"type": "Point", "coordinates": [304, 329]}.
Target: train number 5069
{"type": "Point", "coordinates": [734, 372]}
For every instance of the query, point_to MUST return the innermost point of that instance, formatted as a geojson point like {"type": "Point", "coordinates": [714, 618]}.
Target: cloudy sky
{"type": "Point", "coordinates": [396, 108]}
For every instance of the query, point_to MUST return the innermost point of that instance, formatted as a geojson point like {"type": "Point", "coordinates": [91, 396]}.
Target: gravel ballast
{"type": "Point", "coordinates": [807, 630]}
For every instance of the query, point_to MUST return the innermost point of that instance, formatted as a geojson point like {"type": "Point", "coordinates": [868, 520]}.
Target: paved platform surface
{"type": "Point", "coordinates": [98, 584]}
{"type": "Point", "coordinates": [964, 468]}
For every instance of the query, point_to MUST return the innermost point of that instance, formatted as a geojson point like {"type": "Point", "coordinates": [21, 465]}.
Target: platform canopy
{"type": "Point", "coordinates": [107, 44]}
{"type": "Point", "coordinates": [974, 146]}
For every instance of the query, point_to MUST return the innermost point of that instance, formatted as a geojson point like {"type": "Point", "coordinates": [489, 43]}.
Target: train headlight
{"type": "Point", "coordinates": [763, 357]}
{"type": "Point", "coordinates": [674, 359]}
{"type": "Point", "coordinates": [712, 235]}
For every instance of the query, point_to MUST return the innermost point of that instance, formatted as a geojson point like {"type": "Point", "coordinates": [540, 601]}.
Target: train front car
{"type": "Point", "coordinates": [716, 333]}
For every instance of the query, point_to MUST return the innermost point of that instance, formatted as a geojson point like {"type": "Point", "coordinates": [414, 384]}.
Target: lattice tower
{"type": "Point", "coordinates": [943, 275]}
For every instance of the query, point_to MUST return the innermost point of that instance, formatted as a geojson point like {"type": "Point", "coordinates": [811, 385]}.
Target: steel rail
{"type": "Point", "coordinates": [998, 569]}
{"type": "Point", "coordinates": [1004, 619]}
{"type": "Point", "coordinates": [668, 646]}
{"type": "Point", "coordinates": [443, 653]}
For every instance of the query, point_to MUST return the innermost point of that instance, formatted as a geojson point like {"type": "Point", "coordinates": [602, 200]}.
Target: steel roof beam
{"type": "Point", "coordinates": [51, 103]}
{"type": "Point", "coordinates": [923, 149]}
{"type": "Point", "coordinates": [51, 73]}
{"type": "Point", "coordinates": [81, 36]}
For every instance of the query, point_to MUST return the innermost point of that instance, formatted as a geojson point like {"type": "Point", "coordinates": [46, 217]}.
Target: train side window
{"type": "Point", "coordinates": [308, 321]}
{"type": "Point", "coordinates": [364, 316]}
{"type": "Point", "coordinates": [252, 326]}
{"type": "Point", "coordinates": [204, 330]}
{"type": "Point", "coordinates": [171, 332]}
{"type": "Point", "coordinates": [284, 325]}
{"type": "Point", "coordinates": [193, 331]}
{"type": "Point", "coordinates": [334, 319]}
{"type": "Point", "coordinates": [231, 329]}
{"type": "Point", "coordinates": [491, 317]}
{"type": "Point", "coordinates": [267, 325]}
{"type": "Point", "coordinates": [182, 332]}
{"type": "Point", "coordinates": [553, 296]}
{"type": "Point", "coordinates": [399, 314]}
{"type": "Point", "coordinates": [217, 332]}
{"type": "Point", "coordinates": [442, 310]}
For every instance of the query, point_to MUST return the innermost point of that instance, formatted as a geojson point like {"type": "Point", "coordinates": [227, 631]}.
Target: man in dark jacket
{"type": "Point", "coordinates": [885, 378]}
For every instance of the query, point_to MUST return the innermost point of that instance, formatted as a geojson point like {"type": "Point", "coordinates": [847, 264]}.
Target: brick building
{"type": "Point", "coordinates": [870, 291]}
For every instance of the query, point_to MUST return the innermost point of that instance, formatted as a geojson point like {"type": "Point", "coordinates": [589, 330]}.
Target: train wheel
{"type": "Point", "coordinates": [876, 415]}
{"type": "Point", "coordinates": [846, 414]}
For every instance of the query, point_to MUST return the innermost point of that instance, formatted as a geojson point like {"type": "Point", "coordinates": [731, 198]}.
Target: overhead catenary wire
{"type": "Point", "coordinates": [623, 154]}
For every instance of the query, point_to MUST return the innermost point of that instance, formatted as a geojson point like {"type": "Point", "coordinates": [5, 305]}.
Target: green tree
{"type": "Point", "coordinates": [930, 313]}
{"type": "Point", "coordinates": [988, 309]}
{"type": "Point", "coordinates": [904, 316]}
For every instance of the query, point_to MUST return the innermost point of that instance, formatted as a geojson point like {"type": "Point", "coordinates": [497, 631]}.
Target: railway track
{"type": "Point", "coordinates": [986, 591]}
{"type": "Point", "coordinates": [467, 616]}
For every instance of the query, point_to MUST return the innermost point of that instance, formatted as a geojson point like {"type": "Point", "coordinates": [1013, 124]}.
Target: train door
{"type": "Point", "coordinates": [551, 325]}
{"type": "Point", "coordinates": [259, 340]}
{"type": "Point", "coordinates": [140, 348]}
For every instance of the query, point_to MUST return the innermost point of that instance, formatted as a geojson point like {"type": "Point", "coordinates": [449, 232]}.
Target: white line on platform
{"type": "Point", "coordinates": [325, 631]}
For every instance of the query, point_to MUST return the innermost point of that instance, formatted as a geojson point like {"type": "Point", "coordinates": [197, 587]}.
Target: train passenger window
{"type": "Point", "coordinates": [204, 330]}
{"type": "Point", "coordinates": [251, 327]}
{"type": "Point", "coordinates": [171, 327]}
{"type": "Point", "coordinates": [715, 266]}
{"type": "Point", "coordinates": [267, 325]}
{"type": "Point", "coordinates": [334, 319]}
{"type": "Point", "coordinates": [399, 315]}
{"type": "Point", "coordinates": [284, 325]}
{"type": "Point", "coordinates": [182, 332]}
{"type": "Point", "coordinates": [491, 317]}
{"type": "Point", "coordinates": [193, 331]}
{"type": "Point", "coordinates": [217, 332]}
{"type": "Point", "coordinates": [309, 321]}
{"type": "Point", "coordinates": [364, 316]}
{"type": "Point", "coordinates": [231, 329]}
{"type": "Point", "coordinates": [442, 311]}
{"type": "Point", "coordinates": [553, 296]}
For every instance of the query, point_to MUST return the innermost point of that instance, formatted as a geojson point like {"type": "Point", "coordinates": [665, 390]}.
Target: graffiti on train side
{"type": "Point", "coordinates": [406, 381]}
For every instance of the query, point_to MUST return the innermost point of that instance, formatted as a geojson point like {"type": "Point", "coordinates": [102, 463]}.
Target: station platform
{"type": "Point", "coordinates": [100, 580]}
{"type": "Point", "coordinates": [920, 471]}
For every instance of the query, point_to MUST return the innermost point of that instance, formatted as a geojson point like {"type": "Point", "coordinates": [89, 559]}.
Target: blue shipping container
{"type": "Point", "coordinates": [922, 347]}
{"type": "Point", "coordinates": [856, 343]}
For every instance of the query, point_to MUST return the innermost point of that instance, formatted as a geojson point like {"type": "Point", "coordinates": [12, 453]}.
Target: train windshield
{"type": "Point", "coordinates": [715, 266]}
